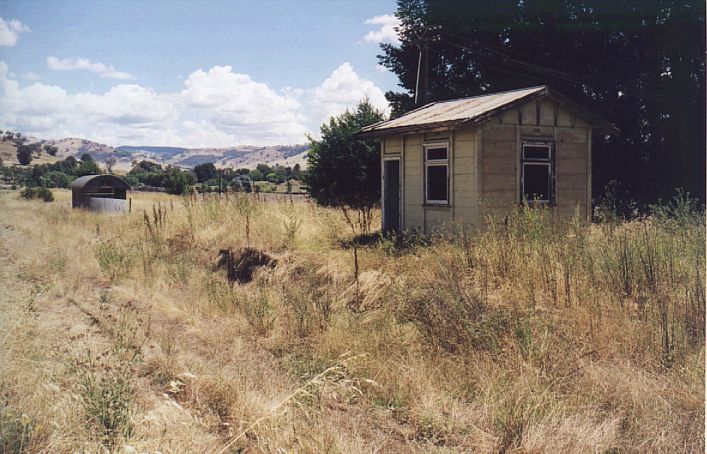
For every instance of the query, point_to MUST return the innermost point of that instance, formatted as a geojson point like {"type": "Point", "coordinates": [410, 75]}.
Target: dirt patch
{"type": "Point", "coordinates": [241, 264]}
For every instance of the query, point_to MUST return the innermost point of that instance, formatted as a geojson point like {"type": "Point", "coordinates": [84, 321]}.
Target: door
{"type": "Point", "coordinates": [391, 195]}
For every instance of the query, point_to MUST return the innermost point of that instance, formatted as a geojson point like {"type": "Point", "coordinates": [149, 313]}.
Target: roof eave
{"type": "Point", "coordinates": [594, 120]}
{"type": "Point", "coordinates": [368, 131]}
{"type": "Point", "coordinates": [429, 127]}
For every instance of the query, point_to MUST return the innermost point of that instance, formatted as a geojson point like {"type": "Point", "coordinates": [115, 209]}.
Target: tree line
{"type": "Point", "coordinates": [208, 178]}
{"type": "Point", "coordinates": [639, 64]}
{"type": "Point", "coordinates": [59, 174]}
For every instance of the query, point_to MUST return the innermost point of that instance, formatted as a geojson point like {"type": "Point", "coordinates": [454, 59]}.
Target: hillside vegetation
{"type": "Point", "coordinates": [121, 333]}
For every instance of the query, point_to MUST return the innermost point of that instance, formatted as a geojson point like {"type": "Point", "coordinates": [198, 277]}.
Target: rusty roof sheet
{"type": "Point", "coordinates": [475, 110]}
{"type": "Point", "coordinates": [456, 110]}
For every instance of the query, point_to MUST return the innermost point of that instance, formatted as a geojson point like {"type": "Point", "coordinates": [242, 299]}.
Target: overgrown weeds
{"type": "Point", "coordinates": [536, 333]}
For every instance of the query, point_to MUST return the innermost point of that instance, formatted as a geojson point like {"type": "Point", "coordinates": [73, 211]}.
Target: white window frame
{"type": "Point", "coordinates": [436, 163]}
{"type": "Point", "coordinates": [547, 162]}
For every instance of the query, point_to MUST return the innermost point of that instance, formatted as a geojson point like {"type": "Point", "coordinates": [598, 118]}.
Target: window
{"type": "Point", "coordinates": [537, 173]}
{"type": "Point", "coordinates": [436, 174]}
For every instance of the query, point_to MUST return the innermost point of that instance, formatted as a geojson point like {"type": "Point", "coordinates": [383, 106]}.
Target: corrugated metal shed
{"type": "Point", "coordinates": [91, 181]}
{"type": "Point", "coordinates": [105, 193]}
{"type": "Point", "coordinates": [474, 110]}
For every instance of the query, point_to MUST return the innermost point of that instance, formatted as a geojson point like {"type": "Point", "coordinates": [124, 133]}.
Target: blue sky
{"type": "Point", "coordinates": [188, 73]}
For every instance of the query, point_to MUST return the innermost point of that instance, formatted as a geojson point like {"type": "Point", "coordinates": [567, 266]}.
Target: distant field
{"type": "Point", "coordinates": [120, 333]}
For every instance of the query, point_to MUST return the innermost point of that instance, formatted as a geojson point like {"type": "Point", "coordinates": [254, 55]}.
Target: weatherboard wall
{"type": "Point", "coordinates": [546, 121]}
{"type": "Point", "coordinates": [463, 206]}
{"type": "Point", "coordinates": [485, 166]}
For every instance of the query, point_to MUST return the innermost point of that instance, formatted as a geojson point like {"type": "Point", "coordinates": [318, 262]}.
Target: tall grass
{"type": "Point", "coordinates": [534, 334]}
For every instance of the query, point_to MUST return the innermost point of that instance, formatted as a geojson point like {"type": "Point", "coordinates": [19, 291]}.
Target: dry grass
{"type": "Point", "coordinates": [117, 333]}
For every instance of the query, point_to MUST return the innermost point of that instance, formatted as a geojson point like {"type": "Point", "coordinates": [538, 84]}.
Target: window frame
{"type": "Point", "coordinates": [435, 163]}
{"type": "Point", "coordinates": [548, 162]}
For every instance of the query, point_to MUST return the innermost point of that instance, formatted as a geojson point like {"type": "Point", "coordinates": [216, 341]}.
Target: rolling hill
{"type": "Point", "coordinates": [247, 156]}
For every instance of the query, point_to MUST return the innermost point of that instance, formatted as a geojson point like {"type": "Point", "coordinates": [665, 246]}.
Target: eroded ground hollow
{"type": "Point", "coordinates": [241, 264]}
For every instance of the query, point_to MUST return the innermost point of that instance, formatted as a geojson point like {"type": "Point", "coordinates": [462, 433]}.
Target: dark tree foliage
{"type": "Point", "coordinates": [344, 171]}
{"type": "Point", "coordinates": [24, 154]}
{"type": "Point", "coordinates": [51, 150]}
{"type": "Point", "coordinates": [87, 166]}
{"type": "Point", "coordinates": [640, 64]}
{"type": "Point", "coordinates": [176, 180]}
{"type": "Point", "coordinates": [205, 172]}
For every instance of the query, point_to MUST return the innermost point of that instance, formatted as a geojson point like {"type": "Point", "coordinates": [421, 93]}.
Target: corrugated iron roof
{"type": "Point", "coordinates": [467, 110]}
{"type": "Point", "coordinates": [91, 181]}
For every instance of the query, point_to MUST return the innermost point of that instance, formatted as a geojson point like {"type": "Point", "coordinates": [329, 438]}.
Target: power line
{"type": "Point", "coordinates": [569, 78]}
{"type": "Point", "coordinates": [508, 53]}
{"type": "Point", "coordinates": [503, 57]}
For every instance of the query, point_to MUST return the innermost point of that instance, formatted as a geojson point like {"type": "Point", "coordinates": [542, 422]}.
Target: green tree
{"type": "Point", "coordinates": [68, 165]}
{"type": "Point", "coordinates": [24, 154]}
{"type": "Point", "coordinates": [87, 166]}
{"type": "Point", "coordinates": [257, 175]}
{"type": "Point", "coordinates": [51, 150]}
{"type": "Point", "coordinates": [640, 64]}
{"type": "Point", "coordinates": [176, 180]}
{"type": "Point", "coordinates": [344, 170]}
{"type": "Point", "coordinates": [205, 172]}
{"type": "Point", "coordinates": [57, 179]}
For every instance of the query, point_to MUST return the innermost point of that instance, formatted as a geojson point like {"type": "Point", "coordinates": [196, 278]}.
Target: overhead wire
{"type": "Point", "coordinates": [508, 53]}
{"type": "Point", "coordinates": [592, 81]}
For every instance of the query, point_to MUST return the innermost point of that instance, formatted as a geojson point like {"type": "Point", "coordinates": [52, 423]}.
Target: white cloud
{"type": "Point", "coordinates": [10, 31]}
{"type": "Point", "coordinates": [342, 90]}
{"type": "Point", "coordinates": [84, 64]}
{"type": "Point", "coordinates": [386, 32]}
{"type": "Point", "coordinates": [31, 76]}
{"type": "Point", "coordinates": [237, 105]}
{"type": "Point", "coordinates": [216, 108]}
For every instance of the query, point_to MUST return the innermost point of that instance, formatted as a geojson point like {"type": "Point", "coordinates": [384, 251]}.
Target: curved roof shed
{"type": "Point", "coordinates": [88, 182]}
{"type": "Point", "coordinates": [99, 193]}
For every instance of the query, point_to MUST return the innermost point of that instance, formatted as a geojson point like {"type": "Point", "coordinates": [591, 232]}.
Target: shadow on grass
{"type": "Point", "coordinates": [391, 243]}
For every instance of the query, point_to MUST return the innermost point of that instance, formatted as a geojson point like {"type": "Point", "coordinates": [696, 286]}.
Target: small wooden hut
{"type": "Point", "coordinates": [104, 193]}
{"type": "Point", "coordinates": [447, 161]}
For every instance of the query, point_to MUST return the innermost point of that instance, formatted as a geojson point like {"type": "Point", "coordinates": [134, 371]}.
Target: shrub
{"type": "Point", "coordinates": [44, 194]}
{"type": "Point", "coordinates": [344, 170]}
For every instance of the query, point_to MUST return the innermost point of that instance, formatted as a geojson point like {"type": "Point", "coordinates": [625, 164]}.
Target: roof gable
{"type": "Point", "coordinates": [475, 110]}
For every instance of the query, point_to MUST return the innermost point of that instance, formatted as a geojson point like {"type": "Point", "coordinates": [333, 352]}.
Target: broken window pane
{"type": "Point", "coordinates": [437, 183]}
{"type": "Point", "coordinates": [536, 181]}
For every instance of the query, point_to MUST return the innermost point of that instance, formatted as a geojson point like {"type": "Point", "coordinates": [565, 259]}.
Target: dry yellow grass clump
{"type": "Point", "coordinates": [118, 333]}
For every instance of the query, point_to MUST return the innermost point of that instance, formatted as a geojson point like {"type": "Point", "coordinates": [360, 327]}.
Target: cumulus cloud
{"type": "Point", "coordinates": [10, 31]}
{"type": "Point", "coordinates": [31, 76]}
{"type": "Point", "coordinates": [215, 108]}
{"type": "Point", "coordinates": [385, 33]}
{"type": "Point", "coordinates": [84, 64]}
{"type": "Point", "coordinates": [343, 89]}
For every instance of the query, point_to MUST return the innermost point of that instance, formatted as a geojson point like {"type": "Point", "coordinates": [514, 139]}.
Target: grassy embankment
{"type": "Point", "coordinates": [117, 333]}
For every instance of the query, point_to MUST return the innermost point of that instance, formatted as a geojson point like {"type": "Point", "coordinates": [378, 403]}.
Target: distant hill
{"type": "Point", "coordinates": [8, 153]}
{"type": "Point", "coordinates": [247, 156]}
{"type": "Point", "coordinates": [168, 151]}
{"type": "Point", "coordinates": [72, 146]}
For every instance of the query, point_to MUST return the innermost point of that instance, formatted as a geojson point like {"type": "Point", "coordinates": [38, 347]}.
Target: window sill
{"type": "Point", "coordinates": [436, 205]}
